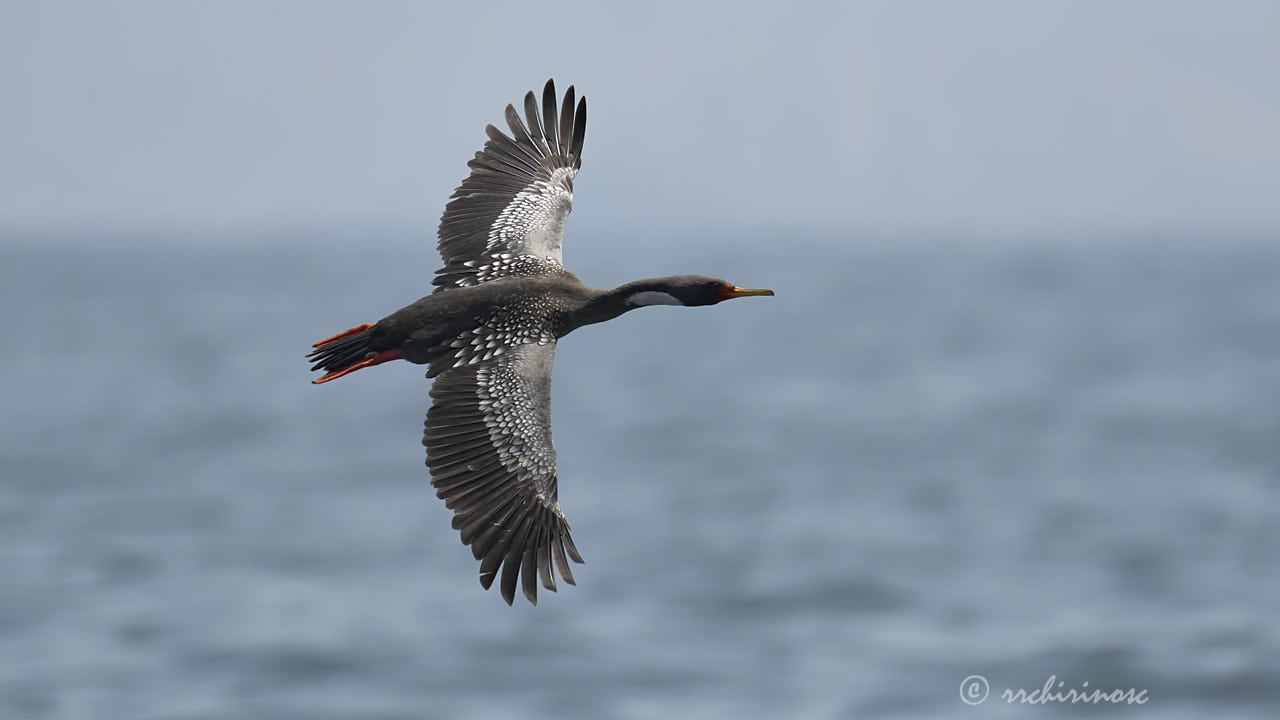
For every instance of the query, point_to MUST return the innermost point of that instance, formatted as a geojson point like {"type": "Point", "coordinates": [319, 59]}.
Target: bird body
{"type": "Point", "coordinates": [488, 333]}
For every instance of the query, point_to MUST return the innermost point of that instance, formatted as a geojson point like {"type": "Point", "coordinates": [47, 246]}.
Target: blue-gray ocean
{"type": "Point", "coordinates": [1041, 463]}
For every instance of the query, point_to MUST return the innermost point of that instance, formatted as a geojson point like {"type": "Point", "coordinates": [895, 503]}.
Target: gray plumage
{"type": "Point", "coordinates": [488, 336]}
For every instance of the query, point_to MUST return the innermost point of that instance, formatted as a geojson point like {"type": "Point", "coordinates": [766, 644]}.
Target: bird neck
{"type": "Point", "coordinates": [609, 304]}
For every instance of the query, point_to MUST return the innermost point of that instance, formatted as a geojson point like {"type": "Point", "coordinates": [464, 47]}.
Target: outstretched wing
{"type": "Point", "coordinates": [507, 218]}
{"type": "Point", "coordinates": [488, 438]}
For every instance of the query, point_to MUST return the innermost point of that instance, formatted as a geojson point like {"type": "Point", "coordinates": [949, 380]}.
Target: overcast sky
{"type": "Point", "coordinates": [970, 117]}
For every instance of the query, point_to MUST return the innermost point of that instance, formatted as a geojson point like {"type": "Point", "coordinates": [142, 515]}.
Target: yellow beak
{"type": "Point", "coordinates": [733, 291]}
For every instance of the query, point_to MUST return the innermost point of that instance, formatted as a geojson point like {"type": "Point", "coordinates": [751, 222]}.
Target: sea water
{"type": "Point", "coordinates": [913, 466]}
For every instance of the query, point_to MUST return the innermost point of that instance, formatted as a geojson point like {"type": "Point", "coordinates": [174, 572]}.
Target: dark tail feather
{"type": "Point", "coordinates": [346, 352]}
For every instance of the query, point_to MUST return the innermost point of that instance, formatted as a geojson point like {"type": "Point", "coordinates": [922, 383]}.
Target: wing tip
{"type": "Point", "coordinates": [524, 554]}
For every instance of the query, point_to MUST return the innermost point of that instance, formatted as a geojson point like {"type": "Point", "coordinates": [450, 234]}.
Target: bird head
{"type": "Point", "coordinates": [689, 290]}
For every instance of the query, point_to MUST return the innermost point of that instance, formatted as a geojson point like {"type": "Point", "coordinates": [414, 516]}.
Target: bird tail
{"type": "Point", "coordinates": [347, 352]}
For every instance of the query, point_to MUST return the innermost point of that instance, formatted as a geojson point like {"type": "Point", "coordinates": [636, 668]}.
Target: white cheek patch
{"type": "Point", "coordinates": [653, 297]}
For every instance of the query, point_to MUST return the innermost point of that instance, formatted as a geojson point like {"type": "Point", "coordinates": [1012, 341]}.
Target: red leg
{"type": "Point", "coordinates": [370, 360]}
{"type": "Point", "coordinates": [344, 333]}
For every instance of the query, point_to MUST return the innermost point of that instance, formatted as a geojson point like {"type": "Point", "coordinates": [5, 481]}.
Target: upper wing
{"type": "Point", "coordinates": [488, 438]}
{"type": "Point", "coordinates": [507, 217]}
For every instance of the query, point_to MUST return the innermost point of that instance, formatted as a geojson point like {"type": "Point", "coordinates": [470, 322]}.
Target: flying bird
{"type": "Point", "coordinates": [488, 334]}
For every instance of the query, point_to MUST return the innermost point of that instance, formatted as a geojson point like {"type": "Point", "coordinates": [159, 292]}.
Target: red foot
{"type": "Point", "coordinates": [370, 360]}
{"type": "Point", "coordinates": [344, 333]}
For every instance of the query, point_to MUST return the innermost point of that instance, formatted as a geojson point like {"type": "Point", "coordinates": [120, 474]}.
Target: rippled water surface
{"type": "Point", "coordinates": [911, 466]}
